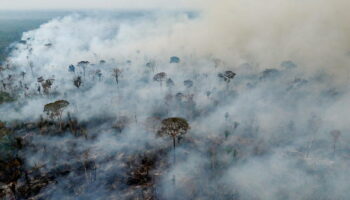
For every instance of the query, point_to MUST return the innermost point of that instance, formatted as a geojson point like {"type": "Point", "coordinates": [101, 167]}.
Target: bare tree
{"type": "Point", "coordinates": [116, 73]}
{"type": "Point", "coordinates": [83, 65]}
{"type": "Point", "coordinates": [152, 65]}
{"type": "Point", "coordinates": [31, 65]}
{"type": "Point", "coordinates": [23, 74]}
{"type": "Point", "coordinates": [335, 134]}
{"type": "Point", "coordinates": [217, 62]}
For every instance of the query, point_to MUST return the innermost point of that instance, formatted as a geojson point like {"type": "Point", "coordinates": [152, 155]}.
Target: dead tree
{"type": "Point", "coordinates": [116, 73]}
{"type": "Point", "coordinates": [335, 134]}
{"type": "Point", "coordinates": [83, 65]}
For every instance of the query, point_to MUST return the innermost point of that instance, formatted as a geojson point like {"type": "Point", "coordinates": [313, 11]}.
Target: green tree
{"type": "Point", "coordinates": [5, 97]}
{"type": "Point", "coordinates": [55, 109]}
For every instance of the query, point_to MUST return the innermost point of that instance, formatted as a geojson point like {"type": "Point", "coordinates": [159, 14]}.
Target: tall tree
{"type": "Point", "coordinates": [174, 127]}
{"type": "Point", "coordinates": [160, 77]}
{"type": "Point", "coordinates": [116, 73]}
{"type": "Point", "coordinates": [55, 109]}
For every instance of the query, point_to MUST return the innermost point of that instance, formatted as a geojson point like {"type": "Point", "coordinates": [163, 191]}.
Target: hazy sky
{"type": "Point", "coordinates": [91, 4]}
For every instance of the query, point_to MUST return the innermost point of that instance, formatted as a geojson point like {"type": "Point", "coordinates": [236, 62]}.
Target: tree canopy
{"type": "Point", "coordinates": [56, 108]}
{"type": "Point", "coordinates": [227, 76]}
{"type": "Point", "coordinates": [174, 127]}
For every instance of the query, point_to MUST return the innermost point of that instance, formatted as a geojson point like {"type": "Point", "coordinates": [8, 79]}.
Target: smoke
{"type": "Point", "coordinates": [312, 33]}
{"type": "Point", "coordinates": [92, 4]}
{"type": "Point", "coordinates": [263, 135]}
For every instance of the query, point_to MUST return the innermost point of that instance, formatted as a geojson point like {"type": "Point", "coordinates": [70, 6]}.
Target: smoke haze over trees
{"type": "Point", "coordinates": [250, 98]}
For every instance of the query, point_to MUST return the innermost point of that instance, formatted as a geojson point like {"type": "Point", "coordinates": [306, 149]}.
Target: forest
{"type": "Point", "coordinates": [147, 106]}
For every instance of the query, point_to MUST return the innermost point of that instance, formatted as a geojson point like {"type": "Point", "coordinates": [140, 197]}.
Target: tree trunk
{"type": "Point", "coordinates": [174, 145]}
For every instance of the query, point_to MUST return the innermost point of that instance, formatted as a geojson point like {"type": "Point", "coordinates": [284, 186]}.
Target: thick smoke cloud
{"type": "Point", "coordinates": [263, 135]}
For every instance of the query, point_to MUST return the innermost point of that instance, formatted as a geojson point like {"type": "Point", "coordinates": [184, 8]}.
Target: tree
{"type": "Point", "coordinates": [314, 125]}
{"type": "Point", "coordinates": [31, 65]}
{"type": "Point", "coordinates": [40, 79]}
{"type": "Point", "coordinates": [116, 73]}
{"type": "Point", "coordinates": [46, 84]}
{"type": "Point", "coordinates": [174, 59]}
{"type": "Point", "coordinates": [288, 64]}
{"type": "Point", "coordinates": [179, 96]}
{"type": "Point", "coordinates": [83, 65]}
{"type": "Point", "coordinates": [160, 77]}
{"type": "Point", "coordinates": [335, 134]}
{"type": "Point", "coordinates": [23, 74]}
{"type": "Point", "coordinates": [188, 83]}
{"type": "Point", "coordinates": [56, 108]}
{"type": "Point", "coordinates": [227, 76]}
{"type": "Point", "coordinates": [217, 62]}
{"type": "Point", "coordinates": [174, 127]}
{"type": "Point", "coordinates": [5, 97]}
{"type": "Point", "coordinates": [151, 64]}
{"type": "Point", "coordinates": [170, 83]}
{"type": "Point", "coordinates": [77, 81]}
{"type": "Point", "coordinates": [71, 68]}
{"type": "Point", "coordinates": [98, 74]}
{"type": "Point", "coordinates": [270, 74]}
{"type": "Point", "coordinates": [48, 45]}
